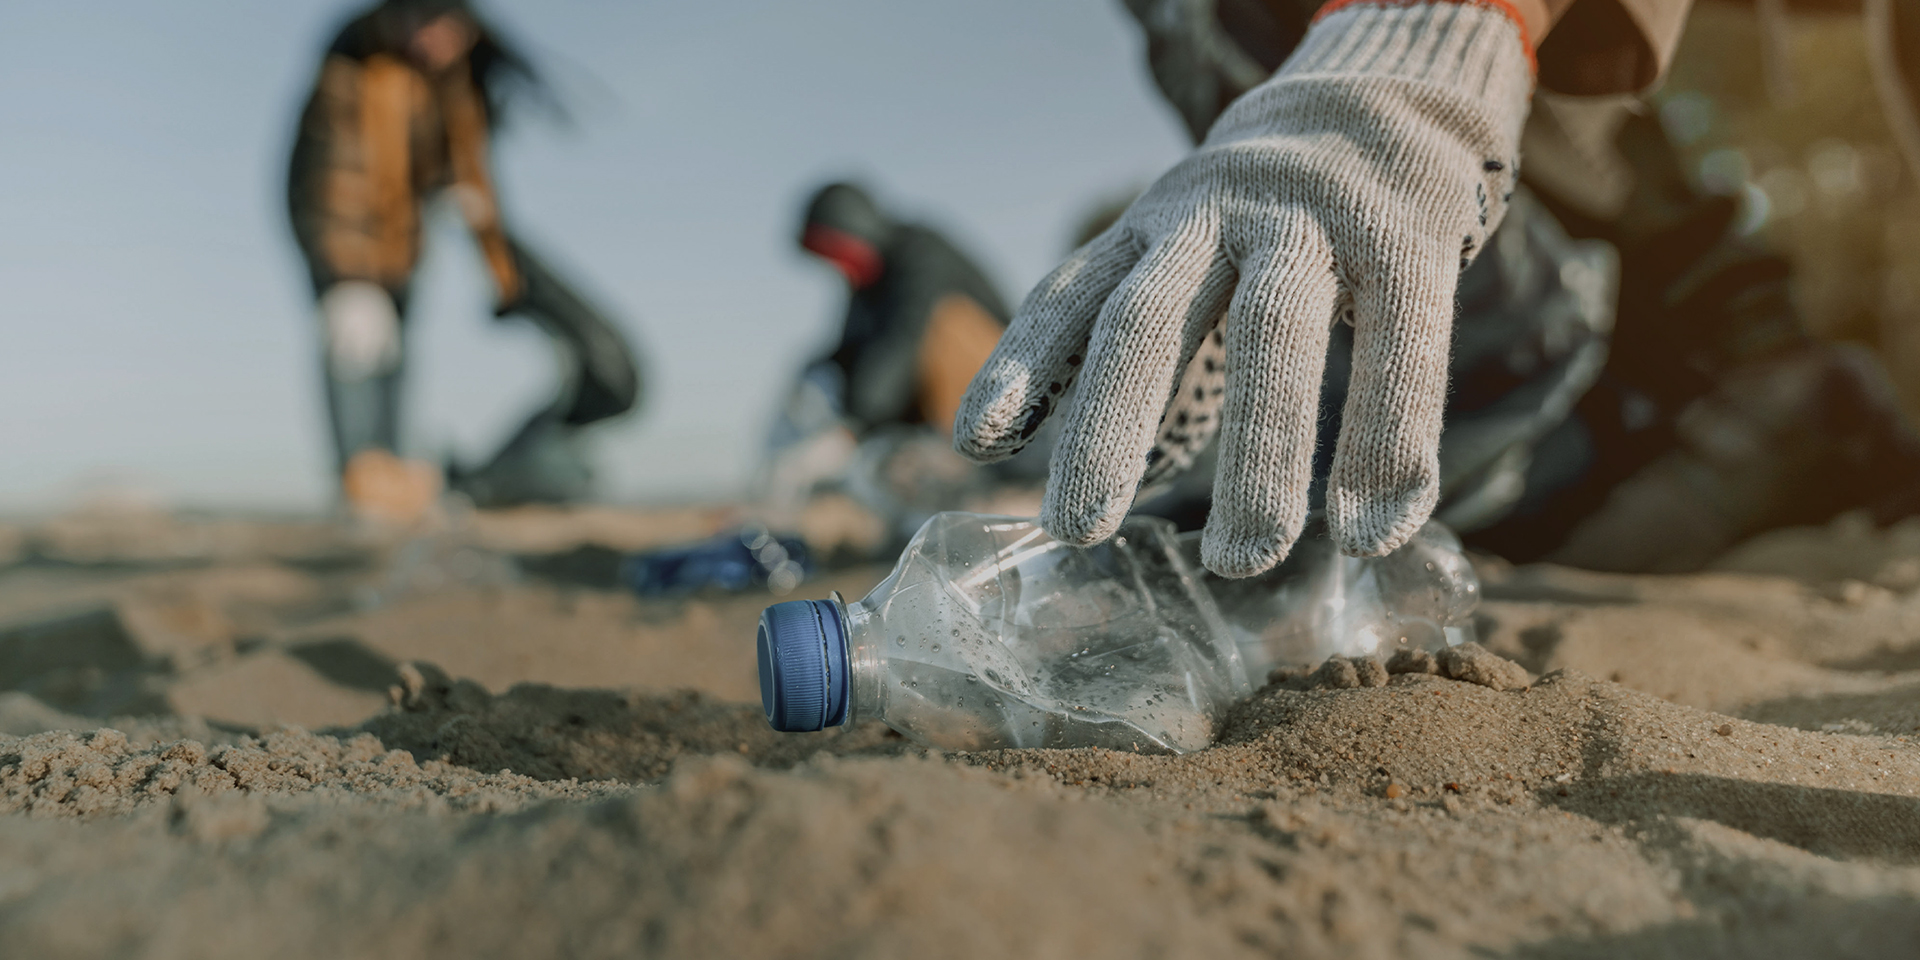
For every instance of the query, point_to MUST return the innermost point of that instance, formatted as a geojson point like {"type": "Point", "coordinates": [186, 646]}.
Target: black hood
{"type": "Point", "coordinates": [848, 209]}
{"type": "Point", "coordinates": [423, 10]}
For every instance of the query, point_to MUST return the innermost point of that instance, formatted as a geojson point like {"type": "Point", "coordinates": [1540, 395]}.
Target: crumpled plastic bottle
{"type": "Point", "coordinates": [1318, 603]}
{"type": "Point", "coordinates": [990, 634]}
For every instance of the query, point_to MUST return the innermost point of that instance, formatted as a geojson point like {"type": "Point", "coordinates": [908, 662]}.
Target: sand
{"type": "Point", "coordinates": [223, 737]}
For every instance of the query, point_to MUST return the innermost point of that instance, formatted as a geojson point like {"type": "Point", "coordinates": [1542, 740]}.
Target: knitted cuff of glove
{"type": "Point", "coordinates": [1479, 47]}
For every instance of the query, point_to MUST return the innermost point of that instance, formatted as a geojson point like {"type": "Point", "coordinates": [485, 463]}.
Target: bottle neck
{"type": "Point", "coordinates": [866, 662]}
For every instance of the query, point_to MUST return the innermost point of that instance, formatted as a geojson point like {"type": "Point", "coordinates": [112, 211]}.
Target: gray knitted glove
{"type": "Point", "coordinates": [1355, 184]}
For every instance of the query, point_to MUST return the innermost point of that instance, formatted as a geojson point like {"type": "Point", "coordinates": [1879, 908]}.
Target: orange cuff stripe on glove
{"type": "Point", "coordinates": [1504, 6]}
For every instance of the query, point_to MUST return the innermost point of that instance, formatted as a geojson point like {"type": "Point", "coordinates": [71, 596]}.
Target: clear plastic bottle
{"type": "Point", "coordinates": [1319, 604]}
{"type": "Point", "coordinates": [991, 634]}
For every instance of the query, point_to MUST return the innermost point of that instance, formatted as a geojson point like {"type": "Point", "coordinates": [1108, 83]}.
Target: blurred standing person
{"type": "Point", "coordinates": [403, 110]}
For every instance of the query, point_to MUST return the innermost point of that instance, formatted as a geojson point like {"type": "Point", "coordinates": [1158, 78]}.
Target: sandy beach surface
{"type": "Point", "coordinates": [223, 737]}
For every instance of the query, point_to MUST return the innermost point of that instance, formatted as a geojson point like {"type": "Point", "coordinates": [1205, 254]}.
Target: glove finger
{"type": "Point", "coordinates": [1386, 466]}
{"type": "Point", "coordinates": [1153, 322]}
{"type": "Point", "coordinates": [1193, 416]}
{"type": "Point", "coordinates": [1276, 342]}
{"type": "Point", "coordinates": [1037, 358]}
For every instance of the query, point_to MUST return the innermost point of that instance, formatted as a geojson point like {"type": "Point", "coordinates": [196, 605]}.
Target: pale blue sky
{"type": "Point", "coordinates": [160, 332]}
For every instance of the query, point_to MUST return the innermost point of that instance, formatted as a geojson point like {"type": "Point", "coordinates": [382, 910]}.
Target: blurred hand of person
{"type": "Point", "coordinates": [1354, 185]}
{"type": "Point", "coordinates": [361, 327]}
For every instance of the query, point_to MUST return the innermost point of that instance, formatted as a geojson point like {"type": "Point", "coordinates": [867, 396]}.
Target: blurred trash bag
{"type": "Point", "coordinates": [599, 376]}
{"type": "Point", "coordinates": [546, 459]}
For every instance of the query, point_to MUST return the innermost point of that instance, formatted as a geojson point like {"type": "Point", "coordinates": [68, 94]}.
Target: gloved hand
{"type": "Point", "coordinates": [361, 328]}
{"type": "Point", "coordinates": [1355, 184]}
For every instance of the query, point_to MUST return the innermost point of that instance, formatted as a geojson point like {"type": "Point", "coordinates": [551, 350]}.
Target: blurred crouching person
{"type": "Point", "coordinates": [874, 416]}
{"type": "Point", "coordinates": [402, 113]}
{"type": "Point", "coordinates": [860, 453]}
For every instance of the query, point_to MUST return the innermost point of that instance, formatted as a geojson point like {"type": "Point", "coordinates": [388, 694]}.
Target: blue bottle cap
{"type": "Point", "coordinates": [804, 680]}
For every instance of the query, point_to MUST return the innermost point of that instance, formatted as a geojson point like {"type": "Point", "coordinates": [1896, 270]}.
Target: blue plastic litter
{"type": "Point", "coordinates": [747, 559]}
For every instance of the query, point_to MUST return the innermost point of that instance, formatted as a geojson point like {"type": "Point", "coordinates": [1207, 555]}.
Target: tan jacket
{"type": "Point", "coordinates": [377, 139]}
